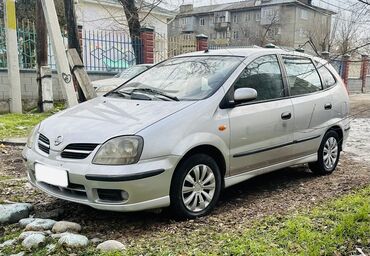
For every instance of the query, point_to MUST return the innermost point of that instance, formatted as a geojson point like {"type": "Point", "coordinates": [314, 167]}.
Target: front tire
{"type": "Point", "coordinates": [328, 154]}
{"type": "Point", "coordinates": [196, 187]}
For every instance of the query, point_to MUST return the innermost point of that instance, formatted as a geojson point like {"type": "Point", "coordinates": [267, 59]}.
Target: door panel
{"type": "Point", "coordinates": [259, 135]}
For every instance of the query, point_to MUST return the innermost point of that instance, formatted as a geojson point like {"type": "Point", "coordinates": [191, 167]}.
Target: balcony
{"type": "Point", "coordinates": [189, 27]}
{"type": "Point", "coordinates": [222, 26]}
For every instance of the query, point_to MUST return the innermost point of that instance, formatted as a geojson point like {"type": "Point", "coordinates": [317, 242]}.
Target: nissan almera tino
{"type": "Point", "coordinates": [181, 132]}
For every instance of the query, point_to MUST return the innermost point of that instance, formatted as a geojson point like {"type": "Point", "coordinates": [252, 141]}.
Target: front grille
{"type": "Point", "coordinates": [44, 144]}
{"type": "Point", "coordinates": [73, 190]}
{"type": "Point", "coordinates": [78, 151]}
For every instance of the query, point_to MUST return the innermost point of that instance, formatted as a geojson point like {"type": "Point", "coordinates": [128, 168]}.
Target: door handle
{"type": "Point", "coordinates": [286, 115]}
{"type": "Point", "coordinates": [328, 106]}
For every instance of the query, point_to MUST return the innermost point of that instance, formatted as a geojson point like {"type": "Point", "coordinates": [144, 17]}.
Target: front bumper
{"type": "Point", "coordinates": [147, 182]}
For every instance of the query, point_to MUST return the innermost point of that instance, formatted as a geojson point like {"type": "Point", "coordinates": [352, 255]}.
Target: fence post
{"type": "Point", "coordinates": [345, 69]}
{"type": "Point", "coordinates": [202, 42]}
{"type": "Point", "coordinates": [147, 50]}
{"type": "Point", "coordinates": [364, 68]}
{"type": "Point", "coordinates": [47, 88]}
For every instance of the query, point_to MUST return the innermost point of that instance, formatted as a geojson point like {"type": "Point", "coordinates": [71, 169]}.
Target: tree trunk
{"type": "Point", "coordinates": [132, 16]}
{"type": "Point", "coordinates": [41, 48]}
{"type": "Point", "coordinates": [73, 38]}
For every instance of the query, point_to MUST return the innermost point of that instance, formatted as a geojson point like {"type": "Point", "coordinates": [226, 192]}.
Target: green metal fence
{"type": "Point", "coordinates": [102, 50]}
{"type": "Point", "coordinates": [26, 45]}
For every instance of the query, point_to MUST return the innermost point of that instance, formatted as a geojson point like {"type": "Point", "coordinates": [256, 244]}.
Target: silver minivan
{"type": "Point", "coordinates": [182, 131]}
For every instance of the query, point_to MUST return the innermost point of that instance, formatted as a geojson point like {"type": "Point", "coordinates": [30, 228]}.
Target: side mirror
{"type": "Point", "coordinates": [244, 95]}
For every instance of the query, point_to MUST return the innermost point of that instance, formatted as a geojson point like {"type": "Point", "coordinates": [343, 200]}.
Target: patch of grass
{"type": "Point", "coordinates": [337, 228]}
{"type": "Point", "coordinates": [19, 125]}
{"type": "Point", "coordinates": [4, 178]}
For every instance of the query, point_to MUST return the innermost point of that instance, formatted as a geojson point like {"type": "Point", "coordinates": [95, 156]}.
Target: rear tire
{"type": "Point", "coordinates": [328, 154]}
{"type": "Point", "coordinates": [195, 187]}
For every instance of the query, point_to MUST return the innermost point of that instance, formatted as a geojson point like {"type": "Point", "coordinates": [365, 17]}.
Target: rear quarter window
{"type": "Point", "coordinates": [327, 77]}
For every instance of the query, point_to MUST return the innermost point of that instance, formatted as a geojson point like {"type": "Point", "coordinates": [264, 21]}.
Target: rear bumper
{"type": "Point", "coordinates": [146, 183]}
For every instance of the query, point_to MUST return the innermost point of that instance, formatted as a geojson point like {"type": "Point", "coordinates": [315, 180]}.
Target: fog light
{"type": "Point", "coordinates": [124, 195]}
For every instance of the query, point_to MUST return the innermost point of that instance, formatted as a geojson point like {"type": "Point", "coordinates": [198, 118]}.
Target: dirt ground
{"type": "Point", "coordinates": [281, 192]}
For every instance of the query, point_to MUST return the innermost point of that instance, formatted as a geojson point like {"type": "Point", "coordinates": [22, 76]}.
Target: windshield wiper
{"type": "Point", "coordinates": [120, 93]}
{"type": "Point", "coordinates": [153, 91]}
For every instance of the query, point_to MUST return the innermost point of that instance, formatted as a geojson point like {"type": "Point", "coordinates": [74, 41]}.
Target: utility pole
{"type": "Point", "coordinates": [12, 57]}
{"type": "Point", "coordinates": [41, 48]}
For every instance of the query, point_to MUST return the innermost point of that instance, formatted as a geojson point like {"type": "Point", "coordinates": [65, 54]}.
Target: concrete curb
{"type": "Point", "coordinates": [14, 141]}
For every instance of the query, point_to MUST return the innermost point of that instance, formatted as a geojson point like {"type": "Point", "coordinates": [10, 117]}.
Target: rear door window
{"type": "Point", "coordinates": [302, 75]}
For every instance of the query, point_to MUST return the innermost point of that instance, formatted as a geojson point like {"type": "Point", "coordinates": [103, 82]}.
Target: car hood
{"type": "Point", "coordinates": [109, 82]}
{"type": "Point", "coordinates": [103, 118]}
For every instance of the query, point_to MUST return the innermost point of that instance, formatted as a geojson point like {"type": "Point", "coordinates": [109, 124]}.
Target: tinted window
{"type": "Point", "coordinates": [302, 75]}
{"type": "Point", "coordinates": [263, 75]}
{"type": "Point", "coordinates": [327, 78]}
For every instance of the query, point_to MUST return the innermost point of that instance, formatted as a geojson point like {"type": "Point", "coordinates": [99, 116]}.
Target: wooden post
{"type": "Point", "coordinates": [12, 57]}
{"type": "Point", "coordinates": [47, 88]}
{"type": "Point", "coordinates": [73, 39]}
{"type": "Point", "coordinates": [79, 72]}
{"type": "Point", "coordinates": [41, 49]}
{"type": "Point", "coordinates": [56, 38]}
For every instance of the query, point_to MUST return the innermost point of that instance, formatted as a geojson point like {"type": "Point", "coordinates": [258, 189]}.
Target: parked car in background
{"type": "Point", "coordinates": [106, 85]}
{"type": "Point", "coordinates": [179, 133]}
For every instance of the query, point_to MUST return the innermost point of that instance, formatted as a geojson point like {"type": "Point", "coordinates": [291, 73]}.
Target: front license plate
{"type": "Point", "coordinates": [51, 175]}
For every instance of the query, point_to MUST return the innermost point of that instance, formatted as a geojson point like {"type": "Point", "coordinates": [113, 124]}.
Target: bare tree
{"type": "Point", "coordinates": [351, 28]}
{"type": "Point", "coordinates": [271, 28]}
{"type": "Point", "coordinates": [132, 9]}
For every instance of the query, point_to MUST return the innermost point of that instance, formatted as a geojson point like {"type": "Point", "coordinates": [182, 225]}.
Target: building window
{"type": "Point", "coordinates": [184, 21]}
{"type": "Point", "coordinates": [246, 33]}
{"type": "Point", "coordinates": [248, 16]}
{"type": "Point", "coordinates": [201, 22]}
{"type": "Point", "coordinates": [258, 16]}
{"type": "Point", "coordinates": [236, 35]}
{"type": "Point", "coordinates": [235, 18]}
{"type": "Point", "coordinates": [304, 14]}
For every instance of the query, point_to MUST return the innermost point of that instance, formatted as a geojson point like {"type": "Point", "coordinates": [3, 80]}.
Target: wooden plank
{"type": "Point", "coordinates": [59, 50]}
{"type": "Point", "coordinates": [80, 73]}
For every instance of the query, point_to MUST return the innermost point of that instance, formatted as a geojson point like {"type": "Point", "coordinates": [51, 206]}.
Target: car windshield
{"type": "Point", "coordinates": [184, 78]}
{"type": "Point", "coordinates": [129, 73]}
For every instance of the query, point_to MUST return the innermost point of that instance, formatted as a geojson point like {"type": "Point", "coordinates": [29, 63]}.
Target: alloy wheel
{"type": "Point", "coordinates": [330, 153]}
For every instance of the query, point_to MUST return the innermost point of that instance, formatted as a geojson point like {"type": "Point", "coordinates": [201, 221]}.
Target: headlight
{"type": "Point", "coordinates": [104, 89]}
{"type": "Point", "coordinates": [120, 151]}
{"type": "Point", "coordinates": [32, 136]}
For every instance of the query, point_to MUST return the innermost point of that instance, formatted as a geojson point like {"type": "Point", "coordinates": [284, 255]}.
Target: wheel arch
{"type": "Point", "coordinates": [340, 133]}
{"type": "Point", "coordinates": [210, 150]}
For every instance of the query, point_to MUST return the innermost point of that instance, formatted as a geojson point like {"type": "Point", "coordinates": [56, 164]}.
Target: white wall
{"type": "Point", "coordinates": [98, 15]}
